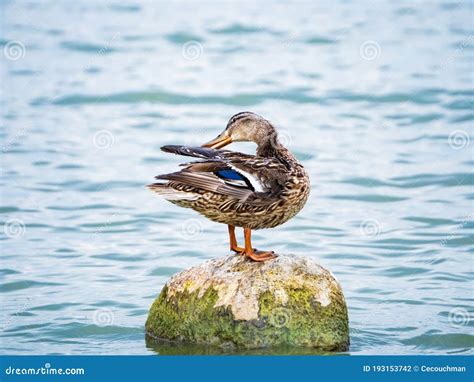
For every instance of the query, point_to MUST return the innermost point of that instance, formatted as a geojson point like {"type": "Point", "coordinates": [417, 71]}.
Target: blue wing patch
{"type": "Point", "coordinates": [229, 174]}
{"type": "Point", "coordinates": [234, 178]}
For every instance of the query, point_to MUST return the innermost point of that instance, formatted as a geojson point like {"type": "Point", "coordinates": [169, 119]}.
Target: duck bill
{"type": "Point", "coordinates": [219, 142]}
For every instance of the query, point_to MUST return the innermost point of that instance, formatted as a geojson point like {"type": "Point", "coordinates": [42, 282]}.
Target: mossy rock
{"type": "Point", "coordinates": [235, 302]}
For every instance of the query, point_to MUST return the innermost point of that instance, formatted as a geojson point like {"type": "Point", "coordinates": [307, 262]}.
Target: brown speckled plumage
{"type": "Point", "coordinates": [282, 182]}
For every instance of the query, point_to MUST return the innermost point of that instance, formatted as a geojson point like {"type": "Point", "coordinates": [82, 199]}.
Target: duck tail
{"type": "Point", "coordinates": [170, 193]}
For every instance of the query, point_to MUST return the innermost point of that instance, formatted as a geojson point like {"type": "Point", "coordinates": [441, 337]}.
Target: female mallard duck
{"type": "Point", "coordinates": [237, 189]}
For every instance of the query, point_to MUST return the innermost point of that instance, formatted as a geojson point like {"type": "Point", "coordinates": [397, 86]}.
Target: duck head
{"type": "Point", "coordinates": [244, 127]}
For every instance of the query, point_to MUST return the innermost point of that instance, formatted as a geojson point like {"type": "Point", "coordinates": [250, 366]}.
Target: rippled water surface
{"type": "Point", "coordinates": [376, 101]}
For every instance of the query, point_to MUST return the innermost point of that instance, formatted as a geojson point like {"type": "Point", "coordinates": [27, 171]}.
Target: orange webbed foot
{"type": "Point", "coordinates": [240, 250]}
{"type": "Point", "coordinates": [261, 255]}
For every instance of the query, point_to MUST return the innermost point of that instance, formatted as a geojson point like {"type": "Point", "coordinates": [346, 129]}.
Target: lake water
{"type": "Point", "coordinates": [376, 101]}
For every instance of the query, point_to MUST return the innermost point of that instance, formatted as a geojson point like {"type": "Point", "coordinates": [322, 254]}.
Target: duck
{"type": "Point", "coordinates": [241, 190]}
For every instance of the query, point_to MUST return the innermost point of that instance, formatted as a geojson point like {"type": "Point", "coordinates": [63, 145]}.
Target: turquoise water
{"type": "Point", "coordinates": [375, 100]}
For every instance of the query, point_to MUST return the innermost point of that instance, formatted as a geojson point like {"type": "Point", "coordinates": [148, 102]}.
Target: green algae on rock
{"type": "Point", "coordinates": [235, 302]}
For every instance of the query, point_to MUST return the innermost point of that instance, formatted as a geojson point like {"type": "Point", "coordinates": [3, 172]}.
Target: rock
{"type": "Point", "coordinates": [234, 302]}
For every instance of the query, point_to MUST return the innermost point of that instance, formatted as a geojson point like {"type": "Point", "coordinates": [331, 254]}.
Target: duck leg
{"type": "Point", "coordinates": [233, 241]}
{"type": "Point", "coordinates": [252, 253]}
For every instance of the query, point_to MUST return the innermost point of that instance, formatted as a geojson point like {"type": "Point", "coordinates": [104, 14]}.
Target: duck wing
{"type": "Point", "coordinates": [246, 177]}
